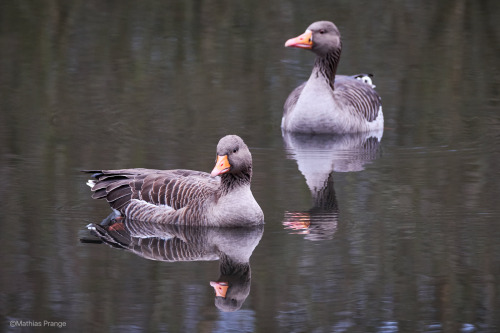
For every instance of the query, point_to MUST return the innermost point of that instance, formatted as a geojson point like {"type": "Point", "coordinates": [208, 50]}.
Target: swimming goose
{"type": "Point", "coordinates": [222, 198]}
{"type": "Point", "coordinates": [330, 103]}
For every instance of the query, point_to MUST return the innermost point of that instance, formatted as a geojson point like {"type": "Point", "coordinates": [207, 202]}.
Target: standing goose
{"type": "Point", "coordinates": [184, 196]}
{"type": "Point", "coordinates": [329, 103]}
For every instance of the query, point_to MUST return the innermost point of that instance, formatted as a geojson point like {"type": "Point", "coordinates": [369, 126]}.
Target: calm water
{"type": "Point", "coordinates": [401, 235]}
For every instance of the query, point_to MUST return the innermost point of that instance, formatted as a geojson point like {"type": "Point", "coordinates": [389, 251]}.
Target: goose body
{"type": "Point", "coordinates": [222, 198]}
{"type": "Point", "coordinates": [326, 102]}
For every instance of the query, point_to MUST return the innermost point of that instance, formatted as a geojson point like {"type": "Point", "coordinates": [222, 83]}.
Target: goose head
{"type": "Point", "coordinates": [233, 158]}
{"type": "Point", "coordinates": [321, 37]}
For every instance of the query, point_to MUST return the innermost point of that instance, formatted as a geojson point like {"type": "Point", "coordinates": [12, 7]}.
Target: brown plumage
{"type": "Point", "coordinates": [186, 196]}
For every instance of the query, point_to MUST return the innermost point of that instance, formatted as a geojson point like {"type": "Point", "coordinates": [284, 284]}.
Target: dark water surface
{"type": "Point", "coordinates": [401, 235]}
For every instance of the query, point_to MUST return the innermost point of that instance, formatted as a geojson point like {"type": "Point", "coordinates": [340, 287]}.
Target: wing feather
{"type": "Point", "coordinates": [175, 188]}
{"type": "Point", "coordinates": [292, 99]}
{"type": "Point", "coordinates": [364, 99]}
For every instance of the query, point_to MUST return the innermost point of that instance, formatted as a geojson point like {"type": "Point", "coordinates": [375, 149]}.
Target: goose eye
{"type": "Point", "coordinates": [322, 31]}
{"type": "Point", "coordinates": [235, 150]}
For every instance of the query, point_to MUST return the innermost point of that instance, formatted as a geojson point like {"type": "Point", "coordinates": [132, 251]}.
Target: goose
{"type": "Point", "coordinates": [222, 198]}
{"type": "Point", "coordinates": [326, 102]}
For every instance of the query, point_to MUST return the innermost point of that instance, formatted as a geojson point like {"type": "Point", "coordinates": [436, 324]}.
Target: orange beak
{"type": "Point", "coordinates": [220, 288]}
{"type": "Point", "coordinates": [221, 166]}
{"type": "Point", "coordinates": [303, 41]}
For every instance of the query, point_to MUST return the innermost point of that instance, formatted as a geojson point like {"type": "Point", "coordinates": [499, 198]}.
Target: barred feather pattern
{"type": "Point", "coordinates": [345, 104]}
{"type": "Point", "coordinates": [327, 66]}
{"type": "Point", "coordinates": [186, 197]}
{"type": "Point", "coordinates": [362, 98]}
{"type": "Point", "coordinates": [155, 194]}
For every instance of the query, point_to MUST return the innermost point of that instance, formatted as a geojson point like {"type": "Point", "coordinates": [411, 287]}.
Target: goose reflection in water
{"type": "Point", "coordinates": [171, 243]}
{"type": "Point", "coordinates": [318, 156]}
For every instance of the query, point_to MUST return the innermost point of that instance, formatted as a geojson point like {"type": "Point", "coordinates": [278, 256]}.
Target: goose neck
{"type": "Point", "coordinates": [231, 181]}
{"type": "Point", "coordinates": [325, 66]}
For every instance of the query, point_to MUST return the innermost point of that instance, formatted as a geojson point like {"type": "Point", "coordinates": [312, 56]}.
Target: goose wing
{"type": "Point", "coordinates": [174, 188]}
{"type": "Point", "coordinates": [292, 99]}
{"type": "Point", "coordinates": [360, 95]}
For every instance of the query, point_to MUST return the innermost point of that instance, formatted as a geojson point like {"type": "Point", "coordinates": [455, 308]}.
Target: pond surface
{"type": "Point", "coordinates": [395, 234]}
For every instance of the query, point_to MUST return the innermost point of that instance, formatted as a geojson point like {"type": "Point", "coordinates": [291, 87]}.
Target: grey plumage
{"type": "Point", "coordinates": [233, 248]}
{"type": "Point", "coordinates": [330, 103]}
{"type": "Point", "coordinates": [185, 196]}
